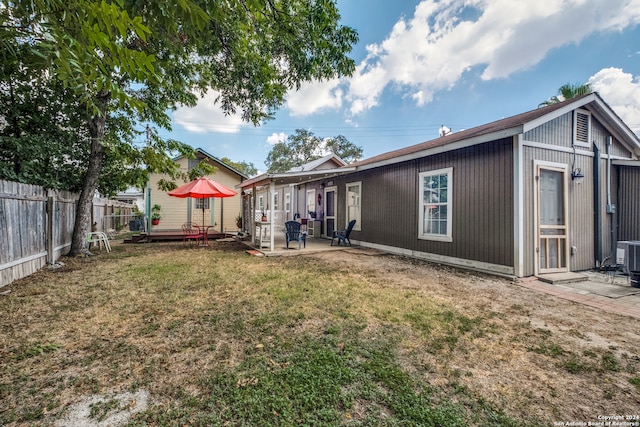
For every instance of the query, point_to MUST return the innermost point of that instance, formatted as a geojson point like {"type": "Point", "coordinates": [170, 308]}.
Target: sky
{"type": "Point", "coordinates": [421, 65]}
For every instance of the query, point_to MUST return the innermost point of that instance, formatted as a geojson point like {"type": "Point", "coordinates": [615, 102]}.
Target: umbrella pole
{"type": "Point", "coordinates": [205, 231]}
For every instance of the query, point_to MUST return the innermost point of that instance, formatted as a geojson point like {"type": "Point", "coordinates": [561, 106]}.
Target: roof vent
{"type": "Point", "coordinates": [444, 131]}
{"type": "Point", "coordinates": [582, 122]}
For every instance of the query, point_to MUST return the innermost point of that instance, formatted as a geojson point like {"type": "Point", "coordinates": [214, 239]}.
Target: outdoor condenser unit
{"type": "Point", "coordinates": [628, 256]}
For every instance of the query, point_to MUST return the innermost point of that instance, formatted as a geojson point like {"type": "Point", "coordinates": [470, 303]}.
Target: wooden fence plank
{"type": "Point", "coordinates": [36, 226]}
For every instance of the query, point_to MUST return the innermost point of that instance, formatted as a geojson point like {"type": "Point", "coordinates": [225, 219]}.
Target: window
{"type": "Point", "coordinates": [581, 128]}
{"type": "Point", "coordinates": [200, 202]}
{"type": "Point", "coordinates": [354, 203]}
{"type": "Point", "coordinates": [276, 203]}
{"type": "Point", "coordinates": [287, 202]}
{"type": "Point", "coordinates": [435, 205]}
{"type": "Point", "coordinates": [261, 203]}
{"type": "Point", "coordinates": [311, 203]}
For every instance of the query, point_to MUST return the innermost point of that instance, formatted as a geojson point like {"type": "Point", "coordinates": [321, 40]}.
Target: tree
{"type": "Point", "coordinates": [304, 147]}
{"type": "Point", "coordinates": [130, 61]}
{"type": "Point", "coordinates": [568, 91]}
{"type": "Point", "coordinates": [247, 168]}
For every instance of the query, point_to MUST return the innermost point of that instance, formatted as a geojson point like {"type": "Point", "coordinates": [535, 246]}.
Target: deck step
{"type": "Point", "coordinates": [136, 238]}
{"type": "Point", "coordinates": [562, 278]}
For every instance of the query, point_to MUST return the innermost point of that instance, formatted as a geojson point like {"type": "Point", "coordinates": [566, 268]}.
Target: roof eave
{"type": "Point", "coordinates": [615, 124]}
{"type": "Point", "coordinates": [464, 143]}
{"type": "Point", "coordinates": [567, 108]}
{"type": "Point", "coordinates": [216, 159]}
{"type": "Point", "coordinates": [294, 177]}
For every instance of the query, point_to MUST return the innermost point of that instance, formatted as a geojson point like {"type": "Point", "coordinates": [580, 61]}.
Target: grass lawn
{"type": "Point", "coordinates": [217, 337]}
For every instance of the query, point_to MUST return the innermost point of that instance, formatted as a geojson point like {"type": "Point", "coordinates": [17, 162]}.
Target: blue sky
{"type": "Point", "coordinates": [458, 63]}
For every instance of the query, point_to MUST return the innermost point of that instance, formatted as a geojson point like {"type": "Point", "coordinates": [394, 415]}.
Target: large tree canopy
{"type": "Point", "coordinates": [304, 147]}
{"type": "Point", "coordinates": [128, 62]}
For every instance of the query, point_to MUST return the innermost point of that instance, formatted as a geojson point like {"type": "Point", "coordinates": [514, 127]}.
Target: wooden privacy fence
{"type": "Point", "coordinates": [36, 226]}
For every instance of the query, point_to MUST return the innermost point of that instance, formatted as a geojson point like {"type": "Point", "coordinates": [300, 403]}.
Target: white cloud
{"type": "Point", "coordinates": [431, 50]}
{"type": "Point", "coordinates": [622, 92]}
{"type": "Point", "coordinates": [206, 116]}
{"type": "Point", "coordinates": [315, 96]}
{"type": "Point", "coordinates": [274, 138]}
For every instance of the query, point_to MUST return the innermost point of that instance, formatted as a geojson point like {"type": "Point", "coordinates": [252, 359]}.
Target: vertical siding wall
{"type": "Point", "coordinates": [580, 209]}
{"type": "Point", "coordinates": [629, 203]}
{"type": "Point", "coordinates": [482, 204]}
{"type": "Point", "coordinates": [557, 135]}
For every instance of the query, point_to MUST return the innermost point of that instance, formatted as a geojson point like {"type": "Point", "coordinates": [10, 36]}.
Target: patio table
{"type": "Point", "coordinates": [203, 230]}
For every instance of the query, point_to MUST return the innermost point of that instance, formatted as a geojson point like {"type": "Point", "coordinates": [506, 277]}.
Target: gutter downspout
{"type": "Point", "coordinates": [611, 208]}
{"type": "Point", "coordinates": [597, 207]}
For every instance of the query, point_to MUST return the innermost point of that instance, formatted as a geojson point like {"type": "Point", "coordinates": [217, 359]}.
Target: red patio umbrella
{"type": "Point", "coordinates": [202, 188]}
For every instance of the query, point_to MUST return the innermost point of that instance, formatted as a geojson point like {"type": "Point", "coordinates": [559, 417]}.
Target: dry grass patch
{"type": "Point", "coordinates": [215, 336]}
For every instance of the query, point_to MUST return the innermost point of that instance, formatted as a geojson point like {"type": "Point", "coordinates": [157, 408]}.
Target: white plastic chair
{"type": "Point", "coordinates": [99, 237]}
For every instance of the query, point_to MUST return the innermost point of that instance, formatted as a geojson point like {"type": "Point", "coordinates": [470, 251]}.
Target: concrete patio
{"type": "Point", "coordinates": [313, 244]}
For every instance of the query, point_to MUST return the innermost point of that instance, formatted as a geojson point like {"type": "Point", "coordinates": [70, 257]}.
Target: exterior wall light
{"type": "Point", "coordinates": [577, 176]}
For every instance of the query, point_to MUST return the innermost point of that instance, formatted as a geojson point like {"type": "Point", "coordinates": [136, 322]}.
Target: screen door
{"type": "Point", "coordinates": [552, 250]}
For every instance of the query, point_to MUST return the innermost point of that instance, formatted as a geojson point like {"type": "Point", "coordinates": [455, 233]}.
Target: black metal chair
{"type": "Point", "coordinates": [343, 235]}
{"type": "Point", "coordinates": [293, 233]}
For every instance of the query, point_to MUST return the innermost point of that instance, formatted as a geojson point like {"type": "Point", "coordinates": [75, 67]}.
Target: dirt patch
{"type": "Point", "coordinates": [541, 352]}
{"type": "Point", "coordinates": [105, 410]}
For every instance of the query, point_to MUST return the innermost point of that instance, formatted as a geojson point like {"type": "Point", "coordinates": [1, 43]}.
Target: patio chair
{"type": "Point", "coordinates": [343, 235]}
{"type": "Point", "coordinates": [293, 233]}
{"type": "Point", "coordinates": [190, 232]}
{"type": "Point", "coordinates": [99, 238]}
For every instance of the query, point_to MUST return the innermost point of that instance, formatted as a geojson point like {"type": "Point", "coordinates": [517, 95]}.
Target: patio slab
{"type": "Point", "coordinates": [313, 245]}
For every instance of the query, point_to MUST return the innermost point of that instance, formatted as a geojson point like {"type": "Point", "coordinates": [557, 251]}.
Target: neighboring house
{"type": "Point", "coordinates": [549, 190]}
{"type": "Point", "coordinates": [132, 196]}
{"type": "Point", "coordinates": [295, 193]}
{"type": "Point", "coordinates": [221, 213]}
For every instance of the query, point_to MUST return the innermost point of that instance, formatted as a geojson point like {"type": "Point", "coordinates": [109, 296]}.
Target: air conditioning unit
{"type": "Point", "coordinates": [628, 256]}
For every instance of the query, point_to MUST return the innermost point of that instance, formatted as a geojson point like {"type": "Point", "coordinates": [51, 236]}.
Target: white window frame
{"type": "Point", "coordinates": [311, 203]}
{"type": "Point", "coordinates": [199, 202]}
{"type": "Point", "coordinates": [261, 203]}
{"type": "Point", "coordinates": [575, 128]}
{"type": "Point", "coordinates": [287, 202]}
{"type": "Point", "coordinates": [276, 204]}
{"type": "Point", "coordinates": [358, 204]}
{"type": "Point", "coordinates": [448, 237]}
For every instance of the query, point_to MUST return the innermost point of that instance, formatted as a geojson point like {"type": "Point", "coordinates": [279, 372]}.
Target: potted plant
{"type": "Point", "coordinates": [264, 217]}
{"type": "Point", "coordinates": [239, 221]}
{"type": "Point", "coordinates": [156, 214]}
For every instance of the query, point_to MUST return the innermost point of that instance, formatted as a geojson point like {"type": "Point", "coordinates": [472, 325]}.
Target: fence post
{"type": "Point", "coordinates": [51, 244]}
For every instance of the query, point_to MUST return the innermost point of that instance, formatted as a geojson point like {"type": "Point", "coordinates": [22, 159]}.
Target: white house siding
{"type": "Point", "coordinates": [175, 211]}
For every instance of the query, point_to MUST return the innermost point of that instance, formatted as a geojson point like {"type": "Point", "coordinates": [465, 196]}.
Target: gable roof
{"type": "Point", "coordinates": [510, 126]}
{"type": "Point", "coordinates": [330, 161]}
{"type": "Point", "coordinates": [217, 160]}
{"type": "Point", "coordinates": [324, 167]}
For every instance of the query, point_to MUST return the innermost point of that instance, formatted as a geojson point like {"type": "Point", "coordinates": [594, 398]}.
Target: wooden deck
{"type": "Point", "coordinates": [165, 236]}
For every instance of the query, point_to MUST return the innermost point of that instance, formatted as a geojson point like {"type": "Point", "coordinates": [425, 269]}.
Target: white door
{"type": "Point", "coordinates": [329, 211]}
{"type": "Point", "coordinates": [552, 249]}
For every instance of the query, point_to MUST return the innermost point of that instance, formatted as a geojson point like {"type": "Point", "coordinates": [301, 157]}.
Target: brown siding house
{"type": "Point", "coordinates": [549, 190]}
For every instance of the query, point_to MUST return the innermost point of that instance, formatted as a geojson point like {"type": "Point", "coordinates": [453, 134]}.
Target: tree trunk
{"type": "Point", "coordinates": [82, 226]}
